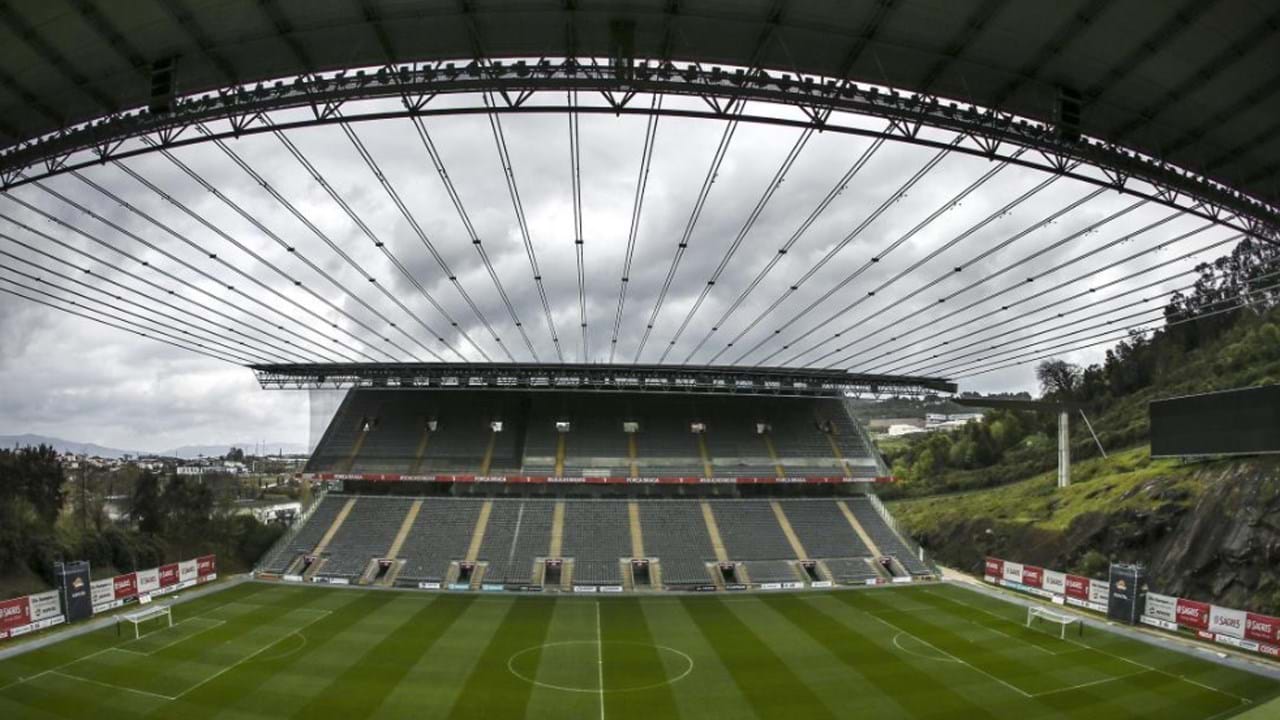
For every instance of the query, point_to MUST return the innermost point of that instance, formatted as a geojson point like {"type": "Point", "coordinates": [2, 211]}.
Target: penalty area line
{"type": "Point", "coordinates": [967, 664]}
{"type": "Point", "coordinates": [255, 653]}
{"type": "Point", "coordinates": [100, 683]}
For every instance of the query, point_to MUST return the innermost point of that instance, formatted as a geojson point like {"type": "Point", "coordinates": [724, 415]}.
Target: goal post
{"type": "Point", "coordinates": [138, 618]}
{"type": "Point", "coordinates": [1063, 621]}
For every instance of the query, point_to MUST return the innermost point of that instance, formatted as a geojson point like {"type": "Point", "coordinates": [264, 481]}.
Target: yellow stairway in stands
{"type": "Point", "coordinates": [713, 530]}
{"type": "Point", "coordinates": [334, 527]}
{"type": "Point", "coordinates": [637, 534]}
{"type": "Point", "coordinates": [796, 546]}
{"type": "Point", "coordinates": [421, 451]}
{"type": "Point", "coordinates": [707, 470]}
{"type": "Point", "coordinates": [835, 450]}
{"type": "Point", "coordinates": [773, 454]}
{"type": "Point", "coordinates": [557, 531]}
{"type": "Point", "coordinates": [477, 535]}
{"type": "Point", "coordinates": [857, 528]}
{"type": "Point", "coordinates": [488, 453]}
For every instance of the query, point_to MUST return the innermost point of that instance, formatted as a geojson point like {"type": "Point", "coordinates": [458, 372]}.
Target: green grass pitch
{"type": "Point", "coordinates": [262, 650]}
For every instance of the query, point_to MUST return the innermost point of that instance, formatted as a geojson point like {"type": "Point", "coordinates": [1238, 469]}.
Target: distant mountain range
{"type": "Point", "coordinates": [185, 452]}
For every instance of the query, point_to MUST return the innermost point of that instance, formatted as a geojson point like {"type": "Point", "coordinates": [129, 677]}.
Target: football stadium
{"type": "Point", "coordinates": [659, 359]}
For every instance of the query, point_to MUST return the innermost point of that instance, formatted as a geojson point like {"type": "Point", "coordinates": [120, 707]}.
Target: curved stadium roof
{"type": "Point", "coordinates": [1183, 97]}
{"type": "Point", "coordinates": [1195, 83]}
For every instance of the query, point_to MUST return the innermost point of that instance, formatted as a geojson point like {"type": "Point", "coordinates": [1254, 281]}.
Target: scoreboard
{"type": "Point", "coordinates": [1231, 422]}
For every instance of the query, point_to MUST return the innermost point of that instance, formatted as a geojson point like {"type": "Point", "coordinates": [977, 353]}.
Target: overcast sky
{"type": "Point", "coordinates": [70, 377]}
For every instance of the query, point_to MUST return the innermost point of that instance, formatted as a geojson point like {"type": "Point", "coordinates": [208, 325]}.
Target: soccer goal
{"type": "Point", "coordinates": [1038, 615]}
{"type": "Point", "coordinates": [159, 613]}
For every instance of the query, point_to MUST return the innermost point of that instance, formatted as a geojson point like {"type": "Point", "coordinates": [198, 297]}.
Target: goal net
{"type": "Point", "coordinates": [152, 617]}
{"type": "Point", "coordinates": [1058, 623]}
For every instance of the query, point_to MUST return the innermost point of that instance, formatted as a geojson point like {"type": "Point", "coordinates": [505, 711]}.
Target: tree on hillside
{"type": "Point", "coordinates": [1058, 378]}
{"type": "Point", "coordinates": [33, 474]}
{"type": "Point", "coordinates": [146, 508]}
{"type": "Point", "coordinates": [235, 454]}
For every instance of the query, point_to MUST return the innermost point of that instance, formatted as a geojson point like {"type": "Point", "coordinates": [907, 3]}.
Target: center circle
{"type": "Point", "coordinates": [583, 666]}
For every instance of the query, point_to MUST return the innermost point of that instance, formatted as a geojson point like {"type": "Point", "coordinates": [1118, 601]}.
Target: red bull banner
{"type": "Point", "coordinates": [994, 569]}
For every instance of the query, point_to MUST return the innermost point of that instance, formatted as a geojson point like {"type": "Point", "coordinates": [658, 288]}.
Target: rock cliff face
{"type": "Point", "coordinates": [1221, 544]}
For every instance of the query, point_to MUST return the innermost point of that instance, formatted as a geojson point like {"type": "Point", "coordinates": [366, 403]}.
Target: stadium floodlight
{"type": "Point", "coordinates": [138, 618]}
{"type": "Point", "coordinates": [697, 428]}
{"type": "Point", "coordinates": [630, 426]}
{"type": "Point", "coordinates": [496, 426]}
{"type": "Point", "coordinates": [1062, 620]}
{"type": "Point", "coordinates": [563, 426]}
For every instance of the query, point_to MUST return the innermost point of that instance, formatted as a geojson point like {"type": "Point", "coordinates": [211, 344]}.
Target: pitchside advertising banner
{"type": "Point", "coordinates": [1236, 628]}
{"type": "Point", "coordinates": [20, 616]}
{"type": "Point", "coordinates": [73, 583]}
{"type": "Point", "coordinates": [34, 612]}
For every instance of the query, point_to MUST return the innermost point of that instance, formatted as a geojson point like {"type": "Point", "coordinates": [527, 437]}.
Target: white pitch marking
{"type": "Point", "coordinates": [600, 658]}
{"type": "Point", "coordinates": [1089, 684]}
{"type": "Point", "coordinates": [912, 652]}
{"type": "Point", "coordinates": [1144, 666]}
{"type": "Point", "coordinates": [109, 685]}
{"type": "Point", "coordinates": [255, 653]}
{"type": "Point", "coordinates": [217, 623]}
{"type": "Point", "coordinates": [511, 666]}
{"type": "Point", "coordinates": [971, 666]}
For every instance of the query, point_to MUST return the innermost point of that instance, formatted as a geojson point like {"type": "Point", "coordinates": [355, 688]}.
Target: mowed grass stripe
{"type": "Point", "coordinates": [435, 680]}
{"type": "Point", "coordinates": [174, 669]}
{"type": "Point", "coordinates": [899, 677]}
{"type": "Point", "coordinates": [360, 690]}
{"type": "Point", "coordinates": [65, 696]}
{"type": "Point", "coordinates": [631, 659]}
{"type": "Point", "coordinates": [1129, 656]}
{"type": "Point", "coordinates": [709, 691]}
{"type": "Point", "coordinates": [249, 684]}
{"type": "Point", "coordinates": [73, 649]}
{"type": "Point", "coordinates": [1114, 689]}
{"type": "Point", "coordinates": [1016, 666]}
{"type": "Point", "coordinates": [770, 685]}
{"type": "Point", "coordinates": [491, 691]}
{"type": "Point", "coordinates": [1067, 662]}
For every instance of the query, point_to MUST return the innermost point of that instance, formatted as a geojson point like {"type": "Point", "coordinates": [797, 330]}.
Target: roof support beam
{"type": "Point", "coordinates": [1253, 97]}
{"type": "Point", "coordinates": [19, 26]}
{"type": "Point", "coordinates": [1067, 33]}
{"type": "Point", "coordinates": [973, 27]}
{"type": "Point", "coordinates": [1230, 54]}
{"type": "Point", "coordinates": [105, 29]}
{"type": "Point", "coordinates": [374, 19]}
{"type": "Point", "coordinates": [1177, 23]}
{"type": "Point", "coordinates": [284, 28]}
{"type": "Point", "coordinates": [87, 145]}
{"type": "Point", "coordinates": [177, 10]}
{"type": "Point", "coordinates": [869, 29]}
